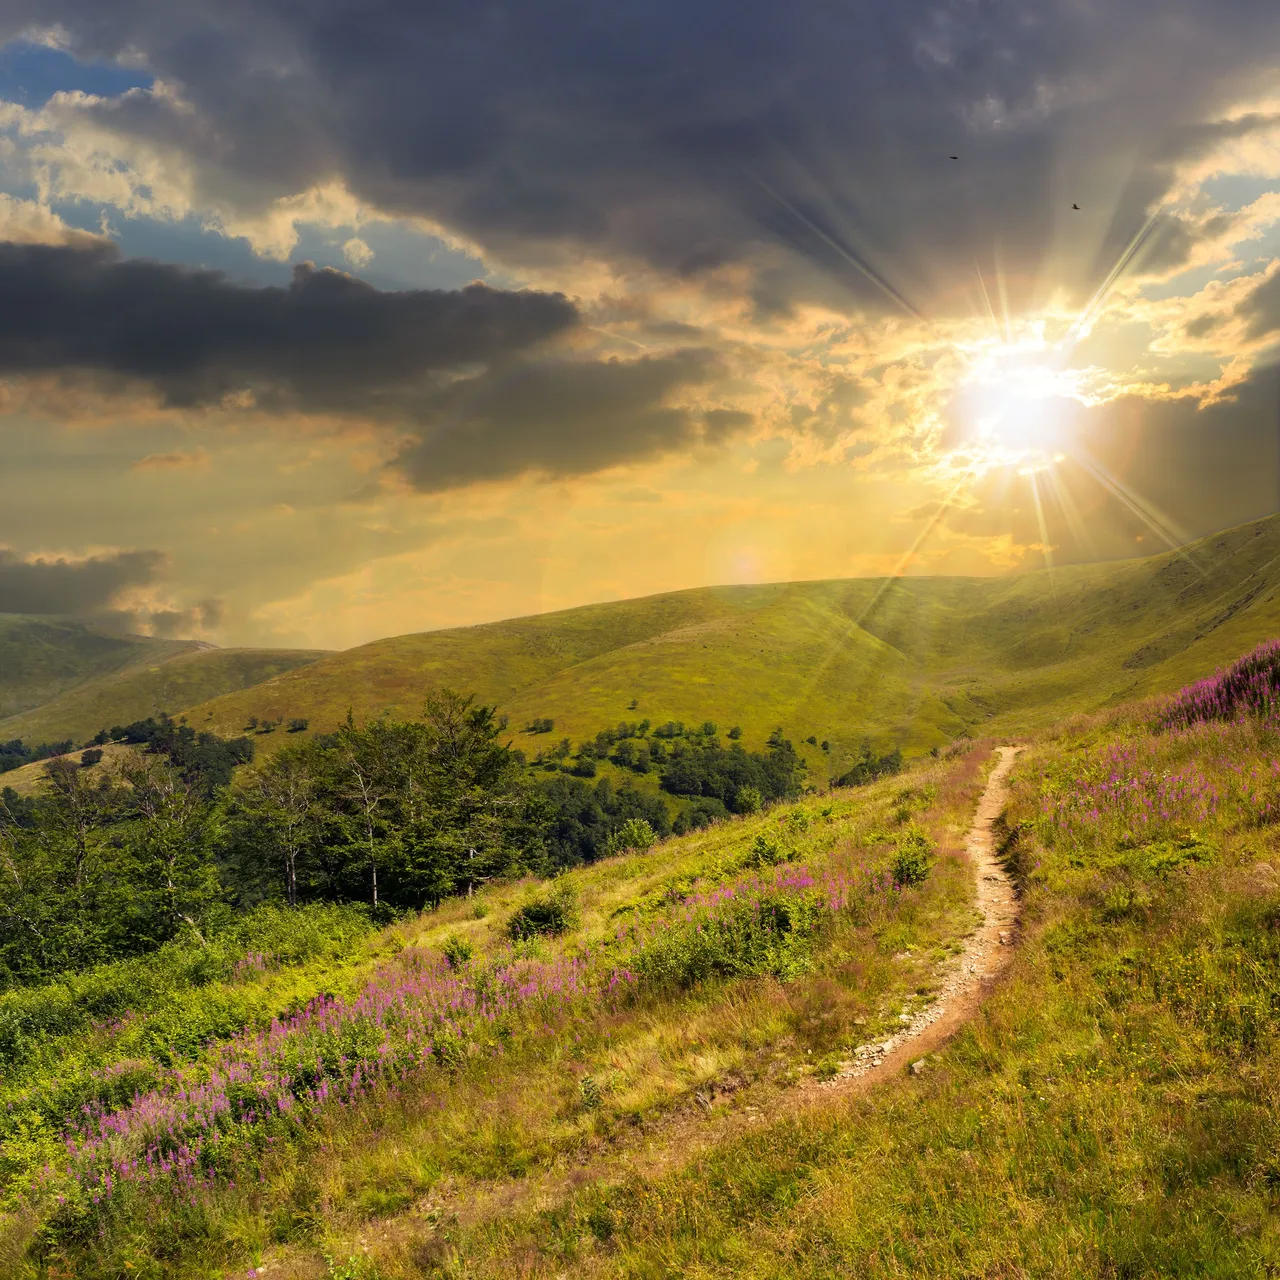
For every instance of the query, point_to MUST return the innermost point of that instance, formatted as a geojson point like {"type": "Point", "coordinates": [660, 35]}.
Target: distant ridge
{"type": "Point", "coordinates": [911, 662]}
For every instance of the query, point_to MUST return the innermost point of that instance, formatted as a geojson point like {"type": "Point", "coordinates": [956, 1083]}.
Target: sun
{"type": "Point", "coordinates": [1018, 408]}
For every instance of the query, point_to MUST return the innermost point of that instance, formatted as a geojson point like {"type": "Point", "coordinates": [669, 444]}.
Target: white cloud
{"type": "Point", "coordinates": [357, 252]}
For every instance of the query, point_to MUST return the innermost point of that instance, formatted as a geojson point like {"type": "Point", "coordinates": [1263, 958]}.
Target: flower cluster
{"type": "Point", "coordinates": [1249, 687]}
{"type": "Point", "coordinates": [414, 1013]}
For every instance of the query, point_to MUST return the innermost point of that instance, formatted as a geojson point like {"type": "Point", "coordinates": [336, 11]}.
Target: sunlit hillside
{"type": "Point", "coordinates": [911, 662]}
{"type": "Point", "coordinates": [44, 658]}
{"type": "Point", "coordinates": [146, 688]}
{"type": "Point", "coordinates": [649, 1066]}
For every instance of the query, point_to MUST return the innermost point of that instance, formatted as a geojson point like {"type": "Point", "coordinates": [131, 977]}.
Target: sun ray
{"type": "Point", "coordinates": [1044, 528]}
{"type": "Point", "coordinates": [847, 254]}
{"type": "Point", "coordinates": [932, 524]}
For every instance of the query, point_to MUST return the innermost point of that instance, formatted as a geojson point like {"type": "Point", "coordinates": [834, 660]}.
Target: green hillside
{"type": "Point", "coordinates": [44, 658]}
{"type": "Point", "coordinates": [165, 683]}
{"type": "Point", "coordinates": [913, 662]}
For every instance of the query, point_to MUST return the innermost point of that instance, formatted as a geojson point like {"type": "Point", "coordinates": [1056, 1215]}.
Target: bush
{"type": "Point", "coordinates": [748, 800]}
{"type": "Point", "coordinates": [634, 836]}
{"type": "Point", "coordinates": [766, 852]}
{"type": "Point", "coordinates": [545, 914]}
{"type": "Point", "coordinates": [914, 859]}
{"type": "Point", "coordinates": [457, 951]}
{"type": "Point", "coordinates": [701, 813]}
{"type": "Point", "coordinates": [90, 757]}
{"type": "Point", "coordinates": [298, 725]}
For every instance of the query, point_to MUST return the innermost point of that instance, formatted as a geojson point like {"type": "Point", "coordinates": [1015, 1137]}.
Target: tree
{"type": "Point", "coordinates": [279, 802]}
{"type": "Point", "coordinates": [170, 838]}
{"type": "Point", "coordinates": [469, 815]}
{"type": "Point", "coordinates": [366, 778]}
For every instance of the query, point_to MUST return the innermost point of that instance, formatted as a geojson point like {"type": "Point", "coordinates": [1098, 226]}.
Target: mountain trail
{"type": "Point", "coordinates": [683, 1136]}
{"type": "Point", "coordinates": [986, 953]}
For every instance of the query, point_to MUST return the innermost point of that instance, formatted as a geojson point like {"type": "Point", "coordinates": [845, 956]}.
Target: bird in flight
{"type": "Point", "coordinates": [1076, 207]}
{"type": "Point", "coordinates": [955, 157]}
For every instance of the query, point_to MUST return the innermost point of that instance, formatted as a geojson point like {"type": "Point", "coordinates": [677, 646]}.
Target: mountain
{"type": "Point", "coordinates": [43, 658]}
{"type": "Point", "coordinates": [911, 662]}
{"type": "Point", "coordinates": [151, 684]}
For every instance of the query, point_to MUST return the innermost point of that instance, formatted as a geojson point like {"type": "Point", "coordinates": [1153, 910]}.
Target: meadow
{"type": "Point", "coordinates": [275, 1093]}
{"type": "Point", "coordinates": [910, 663]}
{"type": "Point", "coordinates": [1114, 1110]}
{"type": "Point", "coordinates": [618, 1072]}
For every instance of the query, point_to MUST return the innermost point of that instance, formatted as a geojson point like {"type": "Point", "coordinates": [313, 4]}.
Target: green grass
{"type": "Point", "coordinates": [1114, 1111]}
{"type": "Point", "coordinates": [911, 662]}
{"type": "Point", "coordinates": [567, 1090]}
{"type": "Point", "coordinates": [161, 682]}
{"type": "Point", "coordinates": [44, 658]}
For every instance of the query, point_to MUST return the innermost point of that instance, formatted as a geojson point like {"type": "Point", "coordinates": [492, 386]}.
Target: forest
{"type": "Point", "coordinates": [188, 831]}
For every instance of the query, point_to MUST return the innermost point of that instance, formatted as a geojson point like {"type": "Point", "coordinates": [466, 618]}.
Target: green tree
{"type": "Point", "coordinates": [279, 803]}
{"type": "Point", "coordinates": [168, 842]}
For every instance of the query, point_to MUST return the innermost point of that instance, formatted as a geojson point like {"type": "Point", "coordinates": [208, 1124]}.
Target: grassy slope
{"type": "Point", "coordinates": [519, 1113]}
{"type": "Point", "coordinates": [911, 662]}
{"type": "Point", "coordinates": [43, 658]}
{"type": "Point", "coordinates": [1113, 1111]}
{"type": "Point", "coordinates": [154, 684]}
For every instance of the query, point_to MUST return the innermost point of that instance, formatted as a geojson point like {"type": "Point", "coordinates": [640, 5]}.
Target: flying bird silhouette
{"type": "Point", "coordinates": [1076, 207]}
{"type": "Point", "coordinates": [955, 157]}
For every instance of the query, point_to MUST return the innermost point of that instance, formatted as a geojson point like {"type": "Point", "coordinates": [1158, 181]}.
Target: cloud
{"type": "Point", "coordinates": [64, 585]}
{"type": "Point", "coordinates": [644, 135]}
{"type": "Point", "coordinates": [30, 222]}
{"type": "Point", "coordinates": [176, 461]}
{"type": "Point", "coordinates": [171, 624]}
{"type": "Point", "coordinates": [328, 341]}
{"type": "Point", "coordinates": [566, 418]}
{"type": "Point", "coordinates": [357, 252]}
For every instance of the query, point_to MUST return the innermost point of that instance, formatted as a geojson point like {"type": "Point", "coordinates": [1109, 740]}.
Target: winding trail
{"type": "Point", "coordinates": [986, 952]}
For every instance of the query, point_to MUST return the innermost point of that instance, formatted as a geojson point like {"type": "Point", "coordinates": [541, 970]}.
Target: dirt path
{"type": "Point", "coordinates": [986, 952]}
{"type": "Point", "coordinates": [682, 1136]}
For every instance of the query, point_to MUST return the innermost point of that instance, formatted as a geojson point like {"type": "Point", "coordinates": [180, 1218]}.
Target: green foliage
{"type": "Point", "coordinates": [457, 951]}
{"type": "Point", "coordinates": [868, 767]}
{"type": "Point", "coordinates": [770, 933]}
{"type": "Point", "coordinates": [635, 835]}
{"type": "Point", "coordinates": [739, 779]}
{"type": "Point", "coordinates": [268, 937]}
{"type": "Point", "coordinates": [581, 820]}
{"type": "Point", "coordinates": [913, 859]}
{"type": "Point", "coordinates": [766, 851]}
{"type": "Point", "coordinates": [548, 913]}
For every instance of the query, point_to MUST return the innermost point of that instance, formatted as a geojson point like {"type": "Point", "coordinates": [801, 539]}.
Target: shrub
{"type": "Point", "coordinates": [90, 757]}
{"type": "Point", "coordinates": [553, 911]}
{"type": "Point", "coordinates": [298, 725]}
{"type": "Point", "coordinates": [457, 951]}
{"type": "Point", "coordinates": [766, 852]}
{"type": "Point", "coordinates": [748, 800]}
{"type": "Point", "coordinates": [914, 858]}
{"type": "Point", "coordinates": [635, 835]}
{"type": "Point", "coordinates": [701, 813]}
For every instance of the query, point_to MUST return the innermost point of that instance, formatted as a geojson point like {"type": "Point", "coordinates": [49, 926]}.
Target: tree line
{"type": "Point", "coordinates": [396, 815]}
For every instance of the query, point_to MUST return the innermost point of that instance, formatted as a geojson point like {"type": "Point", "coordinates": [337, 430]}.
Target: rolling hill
{"type": "Point", "coordinates": [913, 662]}
{"type": "Point", "coordinates": [909, 662]}
{"type": "Point", "coordinates": [43, 658]}
{"type": "Point", "coordinates": [161, 683]}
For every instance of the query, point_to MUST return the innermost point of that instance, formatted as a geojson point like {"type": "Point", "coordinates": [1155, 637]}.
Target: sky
{"type": "Point", "coordinates": [334, 321]}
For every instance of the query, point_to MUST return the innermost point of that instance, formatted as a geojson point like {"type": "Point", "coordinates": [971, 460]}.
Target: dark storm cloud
{"type": "Point", "coordinates": [85, 586]}
{"type": "Point", "coordinates": [1204, 468]}
{"type": "Point", "coordinates": [684, 132]}
{"type": "Point", "coordinates": [564, 419]}
{"type": "Point", "coordinates": [328, 341]}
